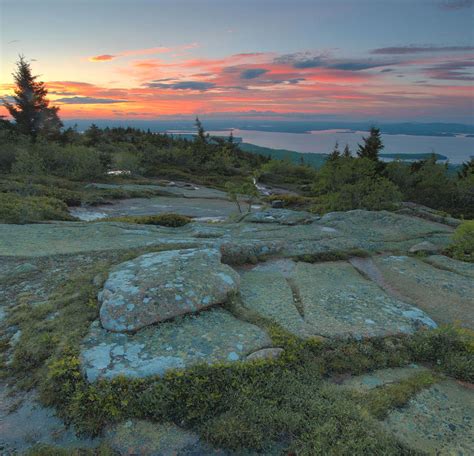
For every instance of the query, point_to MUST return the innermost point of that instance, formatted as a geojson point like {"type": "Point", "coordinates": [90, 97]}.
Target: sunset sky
{"type": "Point", "coordinates": [347, 59]}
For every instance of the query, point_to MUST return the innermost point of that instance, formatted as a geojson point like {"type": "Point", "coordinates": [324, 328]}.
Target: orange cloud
{"type": "Point", "coordinates": [150, 87]}
{"type": "Point", "coordinates": [102, 58]}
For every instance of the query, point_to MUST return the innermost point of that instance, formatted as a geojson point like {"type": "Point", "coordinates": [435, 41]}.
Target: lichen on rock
{"type": "Point", "coordinates": [159, 286]}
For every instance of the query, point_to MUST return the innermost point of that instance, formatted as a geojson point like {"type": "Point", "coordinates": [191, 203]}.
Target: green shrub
{"type": "Point", "coordinates": [291, 201]}
{"type": "Point", "coordinates": [449, 348]}
{"type": "Point", "coordinates": [462, 247]}
{"type": "Point", "coordinates": [369, 193]}
{"type": "Point", "coordinates": [72, 161]}
{"type": "Point", "coordinates": [170, 220]}
{"type": "Point", "coordinates": [25, 187]}
{"type": "Point", "coordinates": [31, 209]}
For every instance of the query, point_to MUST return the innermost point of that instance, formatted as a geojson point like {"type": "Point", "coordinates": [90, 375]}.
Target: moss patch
{"type": "Point", "coordinates": [334, 255]}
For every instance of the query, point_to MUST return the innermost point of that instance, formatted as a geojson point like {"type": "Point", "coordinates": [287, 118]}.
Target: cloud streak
{"type": "Point", "coordinates": [140, 52]}
{"type": "Point", "coordinates": [253, 73]}
{"type": "Point", "coordinates": [88, 100]}
{"type": "Point", "coordinates": [306, 83]}
{"type": "Point", "coordinates": [454, 71]}
{"type": "Point", "coordinates": [182, 85]}
{"type": "Point", "coordinates": [451, 5]}
{"type": "Point", "coordinates": [412, 49]}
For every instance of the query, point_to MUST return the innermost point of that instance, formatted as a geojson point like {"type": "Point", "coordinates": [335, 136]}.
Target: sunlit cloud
{"type": "Point", "coordinates": [145, 51]}
{"type": "Point", "coordinates": [102, 58]}
{"type": "Point", "coordinates": [384, 82]}
{"type": "Point", "coordinates": [455, 70]}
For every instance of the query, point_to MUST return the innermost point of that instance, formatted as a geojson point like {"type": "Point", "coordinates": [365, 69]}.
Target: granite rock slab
{"type": "Point", "coordinates": [162, 285]}
{"type": "Point", "coordinates": [212, 336]}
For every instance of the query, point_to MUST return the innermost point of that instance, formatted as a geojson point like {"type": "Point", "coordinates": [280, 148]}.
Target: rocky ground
{"type": "Point", "coordinates": [171, 305]}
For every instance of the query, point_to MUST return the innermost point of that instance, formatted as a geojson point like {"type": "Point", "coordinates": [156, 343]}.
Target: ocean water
{"type": "Point", "coordinates": [458, 149]}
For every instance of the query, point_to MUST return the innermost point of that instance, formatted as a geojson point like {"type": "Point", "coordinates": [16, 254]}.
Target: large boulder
{"type": "Point", "coordinates": [162, 285]}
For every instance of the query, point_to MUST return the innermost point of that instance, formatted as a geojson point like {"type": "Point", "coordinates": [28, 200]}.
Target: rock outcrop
{"type": "Point", "coordinates": [159, 286]}
{"type": "Point", "coordinates": [328, 299]}
{"type": "Point", "coordinates": [210, 337]}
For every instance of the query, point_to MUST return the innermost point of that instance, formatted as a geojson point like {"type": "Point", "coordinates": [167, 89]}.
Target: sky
{"type": "Point", "coordinates": [390, 60]}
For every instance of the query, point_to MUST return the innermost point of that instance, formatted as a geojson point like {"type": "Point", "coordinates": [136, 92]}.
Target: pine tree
{"type": "Point", "coordinates": [347, 152]}
{"type": "Point", "coordinates": [335, 154]}
{"type": "Point", "coordinates": [201, 134]}
{"type": "Point", "coordinates": [30, 109]}
{"type": "Point", "coordinates": [201, 142]}
{"type": "Point", "coordinates": [372, 145]}
{"type": "Point", "coordinates": [93, 135]}
{"type": "Point", "coordinates": [467, 169]}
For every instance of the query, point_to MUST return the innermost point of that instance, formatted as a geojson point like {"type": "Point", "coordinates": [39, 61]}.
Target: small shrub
{"type": "Point", "coordinates": [170, 220]}
{"type": "Point", "coordinates": [334, 255]}
{"type": "Point", "coordinates": [291, 201]}
{"type": "Point", "coordinates": [462, 247]}
{"type": "Point", "coordinates": [16, 209]}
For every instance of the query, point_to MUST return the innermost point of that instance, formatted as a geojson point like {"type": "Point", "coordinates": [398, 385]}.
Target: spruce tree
{"type": "Point", "coordinates": [335, 154]}
{"type": "Point", "coordinates": [372, 145]}
{"type": "Point", "coordinates": [30, 109]}
{"type": "Point", "coordinates": [347, 152]}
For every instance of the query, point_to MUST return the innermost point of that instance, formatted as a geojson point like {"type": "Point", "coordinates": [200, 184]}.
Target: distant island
{"type": "Point", "coordinates": [410, 157]}
{"type": "Point", "coordinates": [287, 126]}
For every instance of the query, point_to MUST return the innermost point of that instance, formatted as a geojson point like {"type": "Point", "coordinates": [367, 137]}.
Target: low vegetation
{"type": "Point", "coordinates": [170, 220]}
{"type": "Point", "coordinates": [31, 209]}
{"type": "Point", "coordinates": [287, 403]}
{"type": "Point", "coordinates": [462, 247]}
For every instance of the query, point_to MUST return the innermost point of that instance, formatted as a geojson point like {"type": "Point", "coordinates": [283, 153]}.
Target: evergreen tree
{"type": "Point", "coordinates": [30, 109]}
{"type": "Point", "coordinates": [335, 154]}
{"type": "Point", "coordinates": [372, 145]}
{"type": "Point", "coordinates": [93, 135]}
{"type": "Point", "coordinates": [201, 142]}
{"type": "Point", "coordinates": [201, 134]}
{"type": "Point", "coordinates": [467, 169]}
{"type": "Point", "coordinates": [347, 152]}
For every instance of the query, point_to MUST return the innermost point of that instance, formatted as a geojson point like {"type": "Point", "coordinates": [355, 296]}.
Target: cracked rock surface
{"type": "Point", "coordinates": [162, 285]}
{"type": "Point", "coordinates": [208, 337]}
{"type": "Point", "coordinates": [330, 299]}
